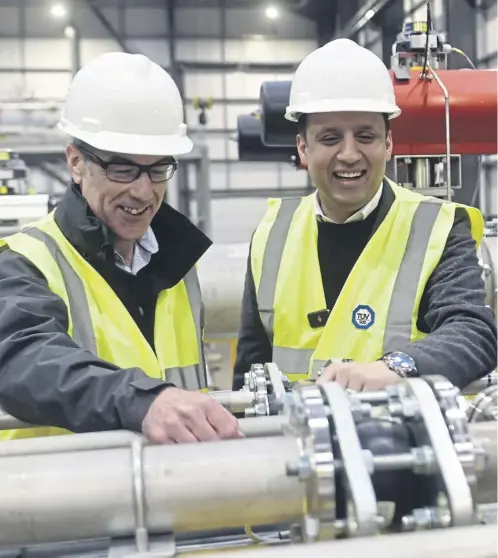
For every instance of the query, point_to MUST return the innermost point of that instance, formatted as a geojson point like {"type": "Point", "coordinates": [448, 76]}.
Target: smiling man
{"type": "Point", "coordinates": [362, 282]}
{"type": "Point", "coordinates": [101, 318]}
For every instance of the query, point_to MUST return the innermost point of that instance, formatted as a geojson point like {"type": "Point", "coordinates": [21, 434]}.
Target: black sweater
{"type": "Point", "coordinates": [462, 340]}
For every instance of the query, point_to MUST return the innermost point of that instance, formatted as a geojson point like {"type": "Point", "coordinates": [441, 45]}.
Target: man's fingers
{"type": "Point", "coordinates": [329, 375]}
{"type": "Point", "coordinates": [198, 423]}
{"type": "Point", "coordinates": [223, 422]}
{"type": "Point", "coordinates": [182, 435]}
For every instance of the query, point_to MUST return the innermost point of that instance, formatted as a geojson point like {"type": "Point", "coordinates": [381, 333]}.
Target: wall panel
{"type": "Point", "coordinates": [204, 36]}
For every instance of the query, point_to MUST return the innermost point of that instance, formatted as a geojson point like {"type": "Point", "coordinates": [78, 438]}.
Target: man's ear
{"type": "Point", "coordinates": [75, 163]}
{"type": "Point", "coordinates": [389, 146]}
{"type": "Point", "coordinates": [301, 150]}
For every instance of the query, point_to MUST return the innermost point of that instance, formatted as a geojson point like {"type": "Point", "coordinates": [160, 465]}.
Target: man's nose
{"type": "Point", "coordinates": [348, 152]}
{"type": "Point", "coordinates": [142, 187]}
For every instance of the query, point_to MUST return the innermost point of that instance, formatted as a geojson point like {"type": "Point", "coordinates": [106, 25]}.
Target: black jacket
{"type": "Point", "coordinates": [45, 378]}
{"type": "Point", "coordinates": [461, 344]}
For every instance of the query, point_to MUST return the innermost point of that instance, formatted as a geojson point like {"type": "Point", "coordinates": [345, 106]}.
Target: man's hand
{"type": "Point", "coordinates": [360, 377]}
{"type": "Point", "coordinates": [180, 416]}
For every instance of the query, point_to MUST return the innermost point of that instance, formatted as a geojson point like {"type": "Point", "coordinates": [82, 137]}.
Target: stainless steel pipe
{"type": "Point", "coordinates": [462, 542]}
{"type": "Point", "coordinates": [481, 384]}
{"type": "Point", "coordinates": [234, 401]}
{"type": "Point", "coordinates": [485, 434]}
{"type": "Point", "coordinates": [192, 487]}
{"type": "Point", "coordinates": [250, 427]}
{"type": "Point", "coordinates": [67, 490]}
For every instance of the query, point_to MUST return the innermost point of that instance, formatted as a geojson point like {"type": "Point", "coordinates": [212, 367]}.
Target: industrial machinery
{"type": "Point", "coordinates": [18, 204]}
{"type": "Point", "coordinates": [445, 114]}
{"type": "Point", "coordinates": [322, 471]}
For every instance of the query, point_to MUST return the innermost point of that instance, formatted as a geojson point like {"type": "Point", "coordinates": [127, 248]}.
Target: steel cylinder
{"type": "Point", "coordinates": [251, 147]}
{"type": "Point", "coordinates": [276, 130]}
{"type": "Point", "coordinates": [485, 434]}
{"type": "Point", "coordinates": [420, 129]}
{"type": "Point", "coordinates": [192, 487]}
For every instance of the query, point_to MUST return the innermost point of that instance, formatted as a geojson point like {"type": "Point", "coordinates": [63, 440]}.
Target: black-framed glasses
{"type": "Point", "coordinates": [128, 172]}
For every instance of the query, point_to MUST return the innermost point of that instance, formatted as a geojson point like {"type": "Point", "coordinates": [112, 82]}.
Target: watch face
{"type": "Point", "coordinates": [402, 363]}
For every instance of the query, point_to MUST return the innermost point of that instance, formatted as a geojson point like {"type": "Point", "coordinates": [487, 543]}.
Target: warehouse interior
{"type": "Point", "coordinates": [220, 53]}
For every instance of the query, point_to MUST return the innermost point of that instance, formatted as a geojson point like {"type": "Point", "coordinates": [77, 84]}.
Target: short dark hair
{"type": "Point", "coordinates": [302, 124]}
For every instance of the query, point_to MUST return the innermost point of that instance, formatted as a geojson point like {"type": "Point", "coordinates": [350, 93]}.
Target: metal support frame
{"type": "Point", "coordinates": [461, 33]}
{"type": "Point", "coordinates": [362, 17]}
{"type": "Point", "coordinates": [48, 169]}
{"type": "Point", "coordinates": [107, 25]}
{"type": "Point", "coordinates": [203, 191]}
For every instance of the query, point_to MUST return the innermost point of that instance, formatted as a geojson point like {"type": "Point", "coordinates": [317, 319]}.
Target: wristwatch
{"type": "Point", "coordinates": [401, 364]}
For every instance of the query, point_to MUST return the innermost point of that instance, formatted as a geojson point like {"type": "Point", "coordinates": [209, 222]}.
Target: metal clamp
{"type": "Point", "coordinates": [357, 479]}
{"type": "Point", "coordinates": [141, 533]}
{"type": "Point", "coordinates": [455, 486]}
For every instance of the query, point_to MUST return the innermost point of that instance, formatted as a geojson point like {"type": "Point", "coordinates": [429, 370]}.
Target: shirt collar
{"type": "Point", "coordinates": [149, 242]}
{"type": "Point", "coordinates": [143, 250]}
{"type": "Point", "coordinates": [360, 215]}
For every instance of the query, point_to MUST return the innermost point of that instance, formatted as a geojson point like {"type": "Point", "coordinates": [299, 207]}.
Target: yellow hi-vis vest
{"type": "Point", "coordinates": [377, 309]}
{"type": "Point", "coordinates": [100, 323]}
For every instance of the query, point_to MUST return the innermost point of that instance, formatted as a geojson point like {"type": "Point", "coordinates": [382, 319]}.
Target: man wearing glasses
{"type": "Point", "coordinates": [101, 316]}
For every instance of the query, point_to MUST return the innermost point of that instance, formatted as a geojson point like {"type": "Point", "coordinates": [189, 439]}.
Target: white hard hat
{"type": "Point", "coordinates": [341, 76]}
{"type": "Point", "coordinates": [125, 103]}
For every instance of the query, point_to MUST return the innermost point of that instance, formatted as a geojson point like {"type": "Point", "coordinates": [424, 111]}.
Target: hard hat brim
{"type": "Point", "coordinates": [344, 105]}
{"type": "Point", "coordinates": [131, 144]}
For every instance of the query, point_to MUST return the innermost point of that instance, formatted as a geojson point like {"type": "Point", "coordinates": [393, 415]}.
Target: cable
{"type": "Point", "coordinates": [461, 53]}
{"type": "Point", "coordinates": [261, 539]}
{"type": "Point", "coordinates": [426, 53]}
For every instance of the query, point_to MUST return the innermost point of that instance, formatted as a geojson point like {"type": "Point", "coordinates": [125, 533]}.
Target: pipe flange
{"type": "Point", "coordinates": [309, 419]}
{"type": "Point", "coordinates": [256, 383]}
{"type": "Point", "coordinates": [255, 380]}
{"type": "Point", "coordinates": [454, 452]}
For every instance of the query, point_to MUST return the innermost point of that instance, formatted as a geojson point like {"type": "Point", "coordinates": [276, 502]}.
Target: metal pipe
{"type": "Point", "coordinates": [458, 542]}
{"type": "Point", "coordinates": [263, 426]}
{"type": "Point", "coordinates": [447, 129]}
{"type": "Point", "coordinates": [480, 384]}
{"type": "Point", "coordinates": [234, 401]}
{"type": "Point", "coordinates": [8, 422]}
{"type": "Point", "coordinates": [485, 434]}
{"type": "Point", "coordinates": [191, 487]}
{"type": "Point", "coordinates": [69, 443]}
{"type": "Point", "coordinates": [250, 427]}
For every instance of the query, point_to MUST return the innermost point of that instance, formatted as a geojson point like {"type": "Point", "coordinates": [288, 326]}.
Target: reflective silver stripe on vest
{"type": "Point", "coordinates": [83, 333]}
{"type": "Point", "coordinates": [292, 361]}
{"type": "Point", "coordinates": [271, 261]}
{"type": "Point", "coordinates": [401, 308]}
{"type": "Point", "coordinates": [399, 318]}
{"type": "Point", "coordinates": [188, 377]}
{"type": "Point", "coordinates": [195, 374]}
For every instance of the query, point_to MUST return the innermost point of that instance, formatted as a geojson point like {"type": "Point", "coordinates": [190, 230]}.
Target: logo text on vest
{"type": "Point", "coordinates": [363, 317]}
